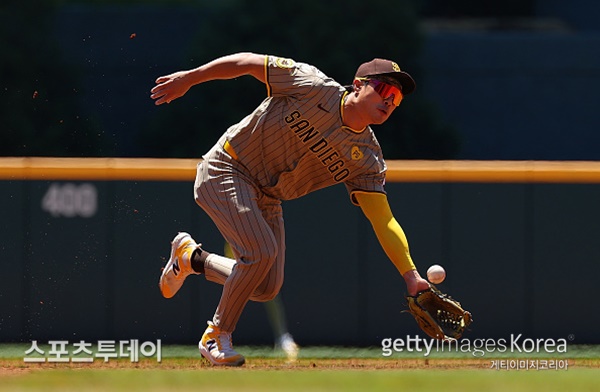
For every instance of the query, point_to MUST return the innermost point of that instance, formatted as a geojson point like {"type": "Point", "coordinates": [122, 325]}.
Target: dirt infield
{"type": "Point", "coordinates": [16, 366]}
{"type": "Point", "coordinates": [186, 358]}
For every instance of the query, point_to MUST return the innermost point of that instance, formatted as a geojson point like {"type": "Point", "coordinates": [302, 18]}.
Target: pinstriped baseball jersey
{"type": "Point", "coordinates": [295, 141]}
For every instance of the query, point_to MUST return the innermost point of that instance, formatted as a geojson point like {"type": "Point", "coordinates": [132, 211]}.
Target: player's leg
{"type": "Point", "coordinates": [275, 309]}
{"type": "Point", "coordinates": [269, 288]}
{"type": "Point", "coordinates": [218, 268]}
{"type": "Point", "coordinates": [255, 231]}
{"type": "Point", "coordinates": [249, 271]}
{"type": "Point", "coordinates": [233, 204]}
{"type": "Point", "coordinates": [272, 284]}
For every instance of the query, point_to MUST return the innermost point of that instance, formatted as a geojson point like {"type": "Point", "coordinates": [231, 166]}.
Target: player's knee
{"type": "Point", "coordinates": [267, 295]}
{"type": "Point", "coordinates": [265, 255]}
{"type": "Point", "coordinates": [268, 289]}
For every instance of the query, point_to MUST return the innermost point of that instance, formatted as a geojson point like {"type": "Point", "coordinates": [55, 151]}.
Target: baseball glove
{"type": "Point", "coordinates": [438, 315]}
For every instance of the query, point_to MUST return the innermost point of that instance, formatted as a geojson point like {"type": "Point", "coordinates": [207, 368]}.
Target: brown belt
{"type": "Point", "coordinates": [229, 150]}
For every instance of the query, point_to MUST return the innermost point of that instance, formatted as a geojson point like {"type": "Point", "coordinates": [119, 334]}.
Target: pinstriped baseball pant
{"type": "Point", "coordinates": [252, 223]}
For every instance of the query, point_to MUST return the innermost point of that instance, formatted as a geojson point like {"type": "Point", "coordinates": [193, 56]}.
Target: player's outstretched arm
{"type": "Point", "coordinates": [376, 208]}
{"type": "Point", "coordinates": [175, 85]}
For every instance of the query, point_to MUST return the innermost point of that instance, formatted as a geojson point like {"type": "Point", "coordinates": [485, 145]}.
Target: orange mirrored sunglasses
{"type": "Point", "coordinates": [385, 90]}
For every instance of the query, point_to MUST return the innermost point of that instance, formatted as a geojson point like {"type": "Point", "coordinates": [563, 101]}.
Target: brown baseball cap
{"type": "Point", "coordinates": [387, 68]}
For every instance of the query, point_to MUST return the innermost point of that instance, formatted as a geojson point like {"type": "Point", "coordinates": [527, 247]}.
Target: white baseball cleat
{"type": "Point", "coordinates": [178, 267]}
{"type": "Point", "coordinates": [215, 346]}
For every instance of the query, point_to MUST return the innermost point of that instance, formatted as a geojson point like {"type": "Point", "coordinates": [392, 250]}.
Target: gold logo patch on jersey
{"type": "Point", "coordinates": [284, 63]}
{"type": "Point", "coordinates": [395, 67]}
{"type": "Point", "coordinates": [356, 153]}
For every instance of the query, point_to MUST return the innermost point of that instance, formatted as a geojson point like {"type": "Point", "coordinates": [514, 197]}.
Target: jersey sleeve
{"type": "Point", "coordinates": [286, 77]}
{"type": "Point", "coordinates": [365, 184]}
{"type": "Point", "coordinates": [371, 180]}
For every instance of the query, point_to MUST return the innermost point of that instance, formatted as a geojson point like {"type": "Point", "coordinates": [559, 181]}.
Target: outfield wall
{"type": "Point", "coordinates": [85, 239]}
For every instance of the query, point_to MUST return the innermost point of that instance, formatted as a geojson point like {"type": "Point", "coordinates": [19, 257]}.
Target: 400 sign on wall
{"type": "Point", "coordinates": [71, 200]}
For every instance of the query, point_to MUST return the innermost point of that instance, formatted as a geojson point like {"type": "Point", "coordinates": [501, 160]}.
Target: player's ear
{"type": "Point", "coordinates": [357, 85]}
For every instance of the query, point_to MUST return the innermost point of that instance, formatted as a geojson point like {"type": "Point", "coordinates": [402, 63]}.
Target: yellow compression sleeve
{"type": "Point", "coordinates": [376, 208]}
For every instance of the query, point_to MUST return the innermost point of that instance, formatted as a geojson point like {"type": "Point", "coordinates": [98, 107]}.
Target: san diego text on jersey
{"type": "Point", "coordinates": [318, 145]}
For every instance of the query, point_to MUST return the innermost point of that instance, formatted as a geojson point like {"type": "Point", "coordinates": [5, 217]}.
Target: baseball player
{"type": "Point", "coordinates": [309, 133]}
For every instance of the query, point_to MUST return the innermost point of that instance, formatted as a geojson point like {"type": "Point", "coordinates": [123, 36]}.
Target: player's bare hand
{"type": "Point", "coordinates": [414, 282]}
{"type": "Point", "coordinates": [170, 87]}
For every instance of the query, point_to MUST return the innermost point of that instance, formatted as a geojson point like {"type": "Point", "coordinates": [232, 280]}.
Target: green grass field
{"type": "Point", "coordinates": [317, 369]}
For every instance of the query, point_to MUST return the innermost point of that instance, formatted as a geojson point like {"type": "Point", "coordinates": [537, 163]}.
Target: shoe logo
{"type": "Point", "coordinates": [211, 344]}
{"type": "Point", "coordinates": [322, 108]}
{"type": "Point", "coordinates": [176, 268]}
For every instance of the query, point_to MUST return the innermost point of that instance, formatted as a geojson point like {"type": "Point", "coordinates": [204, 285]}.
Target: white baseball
{"type": "Point", "coordinates": [436, 274]}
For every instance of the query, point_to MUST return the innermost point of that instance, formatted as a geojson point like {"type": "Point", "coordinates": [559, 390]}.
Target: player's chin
{"type": "Point", "coordinates": [380, 117]}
